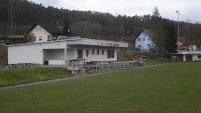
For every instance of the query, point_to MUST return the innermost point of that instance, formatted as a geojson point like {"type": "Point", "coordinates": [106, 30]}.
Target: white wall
{"type": "Point", "coordinates": [95, 56]}
{"type": "Point", "coordinates": [71, 53]}
{"type": "Point", "coordinates": [31, 53]}
{"type": "Point", "coordinates": [55, 54]}
{"type": "Point", "coordinates": [39, 31]}
{"type": "Point", "coordinates": [22, 54]}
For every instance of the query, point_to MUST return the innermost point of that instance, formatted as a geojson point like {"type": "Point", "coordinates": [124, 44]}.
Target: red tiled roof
{"type": "Point", "coordinates": [183, 40]}
{"type": "Point", "coordinates": [149, 32]}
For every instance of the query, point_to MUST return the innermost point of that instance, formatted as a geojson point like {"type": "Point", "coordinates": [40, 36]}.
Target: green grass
{"type": "Point", "coordinates": [23, 75]}
{"type": "Point", "coordinates": [14, 36]}
{"type": "Point", "coordinates": [168, 88]}
{"type": "Point", "coordinates": [156, 61]}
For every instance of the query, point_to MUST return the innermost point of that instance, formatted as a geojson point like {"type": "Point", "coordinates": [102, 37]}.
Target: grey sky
{"type": "Point", "coordinates": [167, 8]}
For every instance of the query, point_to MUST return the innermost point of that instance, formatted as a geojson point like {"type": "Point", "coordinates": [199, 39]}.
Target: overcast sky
{"type": "Point", "coordinates": [188, 8]}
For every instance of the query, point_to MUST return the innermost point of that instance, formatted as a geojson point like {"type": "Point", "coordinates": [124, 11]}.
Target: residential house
{"type": "Point", "coordinates": [186, 51]}
{"type": "Point", "coordinates": [144, 41]}
{"type": "Point", "coordinates": [45, 31]}
{"type": "Point", "coordinates": [185, 44]}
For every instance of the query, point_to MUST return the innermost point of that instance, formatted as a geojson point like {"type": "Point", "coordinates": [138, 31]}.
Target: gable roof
{"type": "Point", "coordinates": [49, 27]}
{"type": "Point", "coordinates": [150, 33]}
{"type": "Point", "coordinates": [183, 40]}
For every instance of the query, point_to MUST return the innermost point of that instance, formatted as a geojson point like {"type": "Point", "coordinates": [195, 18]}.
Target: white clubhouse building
{"type": "Point", "coordinates": [58, 52]}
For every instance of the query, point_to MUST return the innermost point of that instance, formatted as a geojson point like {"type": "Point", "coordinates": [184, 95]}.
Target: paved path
{"type": "Point", "coordinates": [61, 79]}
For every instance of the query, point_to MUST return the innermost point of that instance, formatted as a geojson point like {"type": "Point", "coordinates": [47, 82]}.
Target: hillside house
{"type": "Point", "coordinates": [185, 44]}
{"type": "Point", "coordinates": [144, 41]}
{"type": "Point", "coordinates": [45, 31]}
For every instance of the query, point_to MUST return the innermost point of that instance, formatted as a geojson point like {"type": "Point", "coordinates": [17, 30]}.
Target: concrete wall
{"type": "Point", "coordinates": [31, 53]}
{"type": "Point", "coordinates": [71, 53]}
{"type": "Point", "coordinates": [55, 54]}
{"type": "Point", "coordinates": [22, 54]}
{"type": "Point", "coordinates": [56, 62]}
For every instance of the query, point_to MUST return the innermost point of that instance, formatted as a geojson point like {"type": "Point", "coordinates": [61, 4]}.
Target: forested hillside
{"type": "Point", "coordinates": [91, 24]}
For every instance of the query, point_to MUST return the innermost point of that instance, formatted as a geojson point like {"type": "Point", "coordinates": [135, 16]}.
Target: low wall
{"type": "Point", "coordinates": [56, 62]}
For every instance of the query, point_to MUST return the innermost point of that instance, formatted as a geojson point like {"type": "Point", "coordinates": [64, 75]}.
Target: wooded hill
{"type": "Point", "coordinates": [92, 24]}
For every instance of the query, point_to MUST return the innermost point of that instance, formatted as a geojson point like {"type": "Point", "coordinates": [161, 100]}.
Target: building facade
{"type": "Point", "coordinates": [60, 51]}
{"type": "Point", "coordinates": [45, 32]}
{"type": "Point", "coordinates": [187, 56]}
{"type": "Point", "coordinates": [144, 41]}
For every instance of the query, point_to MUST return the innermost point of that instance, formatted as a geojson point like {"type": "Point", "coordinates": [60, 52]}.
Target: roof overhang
{"type": "Point", "coordinates": [94, 42]}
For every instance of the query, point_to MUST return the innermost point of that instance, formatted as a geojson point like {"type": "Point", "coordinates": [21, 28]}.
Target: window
{"type": "Point", "coordinates": [144, 34]}
{"type": "Point", "coordinates": [40, 38]}
{"type": "Point", "coordinates": [148, 45]}
{"type": "Point", "coordinates": [97, 51]}
{"type": "Point", "coordinates": [79, 52]}
{"type": "Point", "coordinates": [36, 29]}
{"type": "Point", "coordinates": [149, 39]}
{"type": "Point", "coordinates": [48, 37]}
{"type": "Point", "coordinates": [87, 52]}
{"type": "Point", "coordinates": [40, 29]}
{"type": "Point", "coordinates": [199, 56]}
{"type": "Point", "coordinates": [139, 39]}
{"type": "Point", "coordinates": [143, 39]}
{"type": "Point", "coordinates": [102, 52]}
{"type": "Point", "coordinates": [93, 52]}
{"type": "Point", "coordinates": [110, 53]}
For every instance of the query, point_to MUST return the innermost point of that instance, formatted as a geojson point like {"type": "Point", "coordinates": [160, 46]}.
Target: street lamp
{"type": "Point", "coordinates": [178, 12]}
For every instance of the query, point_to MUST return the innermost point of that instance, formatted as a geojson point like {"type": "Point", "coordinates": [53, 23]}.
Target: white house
{"type": "Point", "coordinates": [45, 31]}
{"type": "Point", "coordinates": [60, 51]}
{"type": "Point", "coordinates": [144, 41]}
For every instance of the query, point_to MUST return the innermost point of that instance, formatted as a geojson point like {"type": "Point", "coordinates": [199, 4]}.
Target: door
{"type": "Point", "coordinates": [189, 58]}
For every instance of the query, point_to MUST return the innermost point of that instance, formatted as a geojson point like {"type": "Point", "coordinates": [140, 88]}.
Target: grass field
{"type": "Point", "coordinates": [24, 75]}
{"type": "Point", "coordinates": [168, 88]}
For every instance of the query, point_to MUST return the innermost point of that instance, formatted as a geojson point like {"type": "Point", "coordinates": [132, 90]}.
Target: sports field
{"type": "Point", "coordinates": [167, 88]}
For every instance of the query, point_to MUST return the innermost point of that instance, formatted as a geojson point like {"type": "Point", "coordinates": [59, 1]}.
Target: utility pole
{"type": "Point", "coordinates": [178, 22]}
{"type": "Point", "coordinates": [11, 17]}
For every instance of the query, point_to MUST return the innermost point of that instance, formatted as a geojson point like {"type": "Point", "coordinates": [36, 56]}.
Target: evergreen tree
{"type": "Point", "coordinates": [157, 26]}
{"type": "Point", "coordinates": [170, 38]}
{"type": "Point", "coordinates": [66, 29]}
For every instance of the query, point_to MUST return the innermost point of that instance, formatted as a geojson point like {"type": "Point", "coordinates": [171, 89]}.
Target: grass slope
{"type": "Point", "coordinates": [169, 88]}
{"type": "Point", "coordinates": [22, 75]}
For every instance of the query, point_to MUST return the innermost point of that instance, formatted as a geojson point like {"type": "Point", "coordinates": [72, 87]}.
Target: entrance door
{"type": "Point", "coordinates": [189, 58]}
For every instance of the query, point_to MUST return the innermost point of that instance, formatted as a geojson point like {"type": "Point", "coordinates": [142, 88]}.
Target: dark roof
{"type": "Point", "coordinates": [49, 27]}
